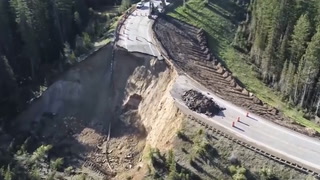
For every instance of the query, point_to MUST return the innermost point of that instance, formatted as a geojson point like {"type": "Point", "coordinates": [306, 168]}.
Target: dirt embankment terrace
{"type": "Point", "coordinates": [187, 46]}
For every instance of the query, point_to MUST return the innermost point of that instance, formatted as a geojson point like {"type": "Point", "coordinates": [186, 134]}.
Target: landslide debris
{"type": "Point", "coordinates": [200, 103]}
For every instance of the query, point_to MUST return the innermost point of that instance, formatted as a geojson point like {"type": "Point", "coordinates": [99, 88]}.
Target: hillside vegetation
{"type": "Point", "coordinates": [199, 154]}
{"type": "Point", "coordinates": [273, 51]}
{"type": "Point", "coordinates": [40, 39]}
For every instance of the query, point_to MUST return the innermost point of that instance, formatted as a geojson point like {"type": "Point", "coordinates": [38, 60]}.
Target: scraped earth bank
{"type": "Point", "coordinates": [147, 114]}
{"type": "Point", "coordinates": [187, 47]}
{"type": "Point", "coordinates": [100, 120]}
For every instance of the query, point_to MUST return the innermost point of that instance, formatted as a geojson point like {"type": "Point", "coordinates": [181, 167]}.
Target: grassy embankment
{"type": "Point", "coordinates": [216, 18]}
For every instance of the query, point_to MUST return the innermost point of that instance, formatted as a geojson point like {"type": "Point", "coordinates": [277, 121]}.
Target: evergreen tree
{"type": "Point", "coordinates": [6, 32]}
{"type": "Point", "coordinates": [24, 21]}
{"type": "Point", "coordinates": [299, 39]}
{"type": "Point", "coordinates": [282, 82]}
{"type": "Point", "coordinates": [310, 69]}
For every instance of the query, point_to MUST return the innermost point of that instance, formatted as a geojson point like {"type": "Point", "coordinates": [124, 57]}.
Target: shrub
{"type": "Point", "coordinates": [51, 176]}
{"type": "Point", "coordinates": [267, 174]}
{"type": "Point", "coordinates": [170, 158]}
{"type": "Point", "coordinates": [180, 134]}
{"type": "Point", "coordinates": [34, 174]}
{"type": "Point", "coordinates": [87, 40]}
{"type": "Point", "coordinates": [173, 176]}
{"type": "Point", "coordinates": [82, 177]}
{"type": "Point", "coordinates": [40, 153]}
{"type": "Point", "coordinates": [7, 174]}
{"type": "Point", "coordinates": [242, 170]}
{"type": "Point", "coordinates": [239, 177]}
{"type": "Point", "coordinates": [232, 169]}
{"type": "Point", "coordinates": [68, 170]}
{"type": "Point", "coordinates": [57, 164]}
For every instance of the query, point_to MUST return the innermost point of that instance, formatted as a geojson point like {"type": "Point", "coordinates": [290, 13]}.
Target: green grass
{"type": "Point", "coordinates": [219, 28]}
{"type": "Point", "coordinates": [217, 18]}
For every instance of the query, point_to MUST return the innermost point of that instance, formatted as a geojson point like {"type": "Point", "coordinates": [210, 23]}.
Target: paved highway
{"type": "Point", "coordinates": [135, 34]}
{"type": "Point", "coordinates": [297, 148]}
{"type": "Point", "coordinates": [285, 143]}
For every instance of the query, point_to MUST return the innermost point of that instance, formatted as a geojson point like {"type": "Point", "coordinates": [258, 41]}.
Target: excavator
{"type": "Point", "coordinates": [151, 10]}
{"type": "Point", "coordinates": [156, 10]}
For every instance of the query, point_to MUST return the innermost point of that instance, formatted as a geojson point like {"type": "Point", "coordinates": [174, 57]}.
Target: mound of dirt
{"type": "Point", "coordinates": [200, 103]}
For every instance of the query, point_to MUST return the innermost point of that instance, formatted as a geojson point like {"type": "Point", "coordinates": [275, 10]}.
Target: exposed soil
{"type": "Point", "coordinates": [102, 125]}
{"type": "Point", "coordinates": [187, 47]}
{"type": "Point", "coordinates": [200, 103]}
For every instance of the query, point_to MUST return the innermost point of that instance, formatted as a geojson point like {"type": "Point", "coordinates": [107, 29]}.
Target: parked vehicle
{"type": "Point", "coordinates": [140, 5]}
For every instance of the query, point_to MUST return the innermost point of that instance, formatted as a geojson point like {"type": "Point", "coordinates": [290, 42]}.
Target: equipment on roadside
{"type": "Point", "coordinates": [151, 8]}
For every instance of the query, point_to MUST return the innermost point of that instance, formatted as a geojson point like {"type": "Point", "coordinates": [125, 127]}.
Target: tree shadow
{"type": "Point", "coordinates": [197, 167]}
{"type": "Point", "coordinates": [231, 19]}
{"type": "Point", "coordinates": [184, 137]}
{"type": "Point", "coordinates": [192, 175]}
{"type": "Point", "coordinates": [237, 11]}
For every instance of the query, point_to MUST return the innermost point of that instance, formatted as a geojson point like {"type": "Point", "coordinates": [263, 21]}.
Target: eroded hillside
{"type": "Point", "coordinates": [100, 119]}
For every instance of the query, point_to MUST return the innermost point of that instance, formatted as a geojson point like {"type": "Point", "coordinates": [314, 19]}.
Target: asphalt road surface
{"type": "Point", "coordinates": [283, 142]}
{"type": "Point", "coordinates": [135, 34]}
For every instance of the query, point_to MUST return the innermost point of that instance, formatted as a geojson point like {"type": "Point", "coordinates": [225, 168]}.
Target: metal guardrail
{"type": "Point", "coordinates": [257, 150]}
{"type": "Point", "coordinates": [122, 20]}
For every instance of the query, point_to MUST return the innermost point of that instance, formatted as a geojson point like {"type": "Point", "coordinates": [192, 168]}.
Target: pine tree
{"type": "Point", "coordinates": [299, 39]}
{"type": "Point", "coordinates": [289, 79]}
{"type": "Point", "coordinates": [282, 84]}
{"type": "Point", "coordinates": [24, 21]}
{"type": "Point", "coordinates": [311, 66]}
{"type": "Point", "coordinates": [6, 32]}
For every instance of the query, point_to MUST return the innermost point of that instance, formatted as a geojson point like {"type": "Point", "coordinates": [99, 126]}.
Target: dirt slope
{"type": "Point", "coordinates": [146, 94]}
{"type": "Point", "coordinates": [76, 112]}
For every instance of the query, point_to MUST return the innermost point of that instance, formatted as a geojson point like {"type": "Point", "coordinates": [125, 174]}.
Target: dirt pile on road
{"type": "Point", "coordinates": [200, 103]}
